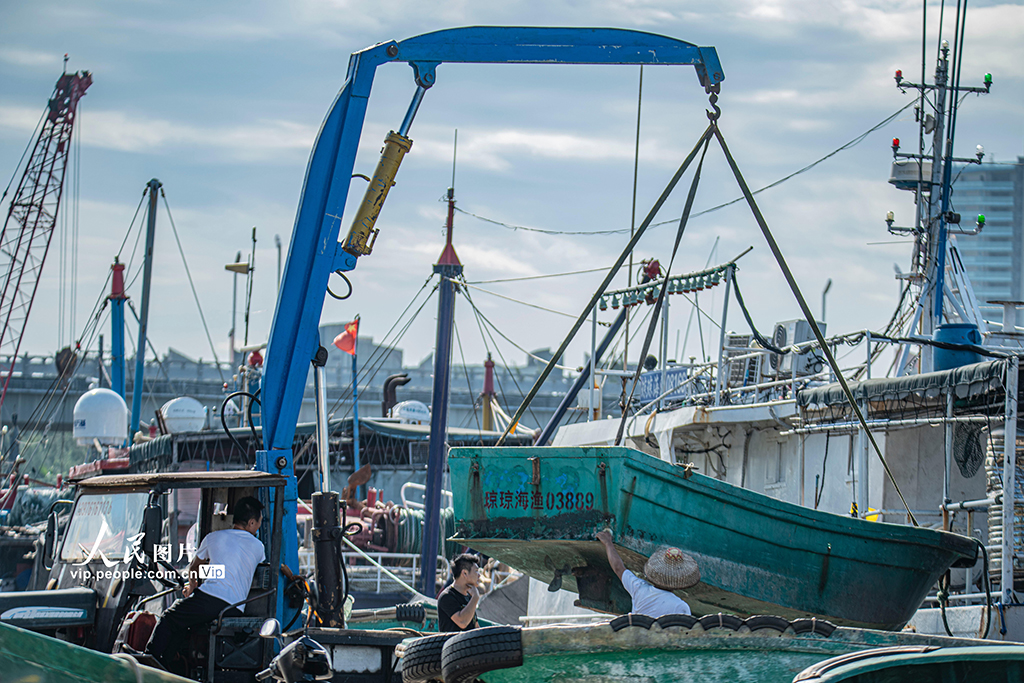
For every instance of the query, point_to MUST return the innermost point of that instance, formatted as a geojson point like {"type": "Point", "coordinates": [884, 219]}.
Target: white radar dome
{"type": "Point", "coordinates": [100, 415]}
{"type": "Point", "coordinates": [411, 412]}
{"type": "Point", "coordinates": [184, 414]}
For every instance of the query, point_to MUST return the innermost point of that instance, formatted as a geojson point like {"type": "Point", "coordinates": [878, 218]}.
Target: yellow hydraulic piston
{"type": "Point", "coordinates": [362, 234]}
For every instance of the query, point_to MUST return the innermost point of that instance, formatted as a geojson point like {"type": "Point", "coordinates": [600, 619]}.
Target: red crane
{"type": "Point", "coordinates": [32, 215]}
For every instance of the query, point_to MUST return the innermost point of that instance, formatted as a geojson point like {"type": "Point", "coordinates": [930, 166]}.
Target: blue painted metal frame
{"type": "Point", "coordinates": [314, 252]}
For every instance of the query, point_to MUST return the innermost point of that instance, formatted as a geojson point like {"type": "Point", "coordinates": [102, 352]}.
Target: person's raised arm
{"type": "Point", "coordinates": [464, 617]}
{"type": "Point", "coordinates": [605, 536]}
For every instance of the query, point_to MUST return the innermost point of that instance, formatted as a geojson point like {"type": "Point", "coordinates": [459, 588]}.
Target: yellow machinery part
{"type": "Point", "coordinates": [362, 234]}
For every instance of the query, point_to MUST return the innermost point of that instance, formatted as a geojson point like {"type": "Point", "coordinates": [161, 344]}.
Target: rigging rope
{"type": "Point", "coordinates": [519, 301]}
{"type": "Point", "coordinates": [535, 277]}
{"type": "Point", "coordinates": [506, 338]}
{"type": "Point", "coordinates": [773, 245]}
{"type": "Point", "coordinates": [192, 285]}
{"type": "Point", "coordinates": [508, 368]}
{"type": "Point", "coordinates": [608, 278]}
{"type": "Point", "coordinates": [385, 347]}
{"type": "Point", "coordinates": [469, 384]}
{"type": "Point", "coordinates": [691, 195]}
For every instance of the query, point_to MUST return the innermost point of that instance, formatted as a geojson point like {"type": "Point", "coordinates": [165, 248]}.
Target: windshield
{"type": "Point", "coordinates": [103, 526]}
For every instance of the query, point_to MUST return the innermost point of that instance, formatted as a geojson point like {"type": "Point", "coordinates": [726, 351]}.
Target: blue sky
{"type": "Point", "coordinates": [222, 101]}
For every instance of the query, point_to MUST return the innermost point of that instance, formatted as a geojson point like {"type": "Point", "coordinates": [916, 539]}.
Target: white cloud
{"type": "Point", "coordinates": [126, 132]}
{"type": "Point", "coordinates": [29, 58]}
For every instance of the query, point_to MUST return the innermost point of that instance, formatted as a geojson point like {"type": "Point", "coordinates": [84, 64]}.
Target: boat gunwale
{"type": "Point", "coordinates": [750, 501]}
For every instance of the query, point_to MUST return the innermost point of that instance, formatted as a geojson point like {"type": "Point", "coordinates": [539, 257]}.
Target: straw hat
{"type": "Point", "coordinates": [671, 569]}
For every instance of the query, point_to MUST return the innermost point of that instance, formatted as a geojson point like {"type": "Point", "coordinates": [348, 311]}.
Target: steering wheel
{"type": "Point", "coordinates": [177, 582]}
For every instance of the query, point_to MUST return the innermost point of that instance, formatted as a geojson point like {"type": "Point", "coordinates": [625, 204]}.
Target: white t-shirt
{"type": "Point", "coordinates": [652, 601]}
{"type": "Point", "coordinates": [238, 552]}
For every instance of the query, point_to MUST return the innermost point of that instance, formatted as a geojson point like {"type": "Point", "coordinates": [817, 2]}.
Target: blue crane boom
{"type": "Point", "coordinates": [315, 252]}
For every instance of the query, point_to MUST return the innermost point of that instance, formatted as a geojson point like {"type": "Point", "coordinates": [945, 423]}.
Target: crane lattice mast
{"type": "Point", "coordinates": [32, 216]}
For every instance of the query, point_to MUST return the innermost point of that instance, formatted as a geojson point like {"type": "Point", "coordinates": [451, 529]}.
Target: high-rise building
{"type": "Point", "coordinates": [994, 258]}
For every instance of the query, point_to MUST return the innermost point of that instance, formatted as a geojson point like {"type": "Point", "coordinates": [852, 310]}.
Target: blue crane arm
{"type": "Point", "coordinates": [315, 252]}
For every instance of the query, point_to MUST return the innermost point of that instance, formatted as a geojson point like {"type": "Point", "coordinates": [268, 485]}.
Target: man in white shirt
{"type": "Point", "coordinates": [232, 555]}
{"type": "Point", "coordinates": [669, 568]}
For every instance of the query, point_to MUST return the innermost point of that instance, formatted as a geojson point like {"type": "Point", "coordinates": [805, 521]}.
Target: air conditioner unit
{"type": "Point", "coordinates": [795, 332]}
{"type": "Point", "coordinates": [738, 345]}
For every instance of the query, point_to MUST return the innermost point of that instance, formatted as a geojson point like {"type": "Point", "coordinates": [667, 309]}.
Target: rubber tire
{"type": "Point", "coordinates": [422, 660]}
{"type": "Point", "coordinates": [475, 652]}
{"type": "Point", "coordinates": [817, 626]}
{"type": "Point", "coordinates": [410, 612]}
{"type": "Point", "coordinates": [686, 621]}
{"type": "Point", "coordinates": [641, 620]}
{"type": "Point", "coordinates": [759, 622]}
{"type": "Point", "coordinates": [721, 620]}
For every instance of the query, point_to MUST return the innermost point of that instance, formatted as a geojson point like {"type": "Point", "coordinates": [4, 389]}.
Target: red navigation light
{"type": "Point", "coordinates": [895, 145]}
{"type": "Point", "coordinates": [899, 74]}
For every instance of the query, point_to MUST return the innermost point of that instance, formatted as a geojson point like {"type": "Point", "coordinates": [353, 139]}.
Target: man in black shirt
{"type": "Point", "coordinates": [456, 605]}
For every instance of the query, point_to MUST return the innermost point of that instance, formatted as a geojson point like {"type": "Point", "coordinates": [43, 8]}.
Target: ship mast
{"type": "Point", "coordinates": [934, 222]}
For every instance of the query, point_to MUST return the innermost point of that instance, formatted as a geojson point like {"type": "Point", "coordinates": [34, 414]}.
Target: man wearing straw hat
{"type": "Point", "coordinates": [667, 569]}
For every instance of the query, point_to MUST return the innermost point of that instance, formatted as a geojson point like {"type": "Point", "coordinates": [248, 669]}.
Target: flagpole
{"type": "Point", "coordinates": [355, 409]}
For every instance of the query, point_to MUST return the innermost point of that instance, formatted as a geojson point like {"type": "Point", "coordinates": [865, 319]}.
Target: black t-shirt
{"type": "Point", "coordinates": [450, 602]}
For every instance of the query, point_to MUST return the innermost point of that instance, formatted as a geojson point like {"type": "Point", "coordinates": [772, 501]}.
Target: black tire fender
{"type": "Point", "coordinates": [422, 659]}
{"type": "Point", "coordinates": [816, 626]}
{"type": "Point", "coordinates": [475, 652]}
{"type": "Point", "coordinates": [641, 620]}
{"type": "Point", "coordinates": [760, 622]}
{"type": "Point", "coordinates": [410, 612]}
{"type": "Point", "coordinates": [721, 620]}
{"type": "Point", "coordinates": [684, 620]}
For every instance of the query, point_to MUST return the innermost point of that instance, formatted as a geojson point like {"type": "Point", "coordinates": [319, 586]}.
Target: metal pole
{"type": "Point", "coordinates": [828, 286]}
{"type": "Point", "coordinates": [720, 379]}
{"type": "Point", "coordinates": [867, 363]}
{"type": "Point", "coordinates": [355, 408]}
{"type": "Point", "coordinates": [147, 278]}
{"type": "Point", "coordinates": [410, 114]}
{"type": "Point", "coordinates": [664, 345]}
{"type": "Point", "coordinates": [593, 365]}
{"type": "Point", "coordinates": [234, 310]}
{"type": "Point", "coordinates": [1009, 474]}
{"type": "Point", "coordinates": [949, 450]}
{"type": "Point", "coordinates": [438, 426]}
{"type": "Point", "coordinates": [322, 442]}
{"type": "Point", "coordinates": [277, 243]}
{"type": "Point", "coordinates": [932, 293]}
{"type": "Point", "coordinates": [862, 470]}
{"type": "Point", "coordinates": [117, 299]}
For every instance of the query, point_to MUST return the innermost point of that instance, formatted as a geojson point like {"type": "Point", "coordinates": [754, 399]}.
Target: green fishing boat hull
{"type": "Point", "coordinates": [571, 654]}
{"type": "Point", "coordinates": [537, 509]}
{"type": "Point", "coordinates": [27, 657]}
{"type": "Point", "coordinates": [1003, 663]}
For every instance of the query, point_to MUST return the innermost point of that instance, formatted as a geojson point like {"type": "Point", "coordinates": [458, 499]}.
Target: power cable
{"type": "Point", "coordinates": [192, 285]}
{"type": "Point", "coordinates": [625, 231]}
{"type": "Point", "coordinates": [535, 277]}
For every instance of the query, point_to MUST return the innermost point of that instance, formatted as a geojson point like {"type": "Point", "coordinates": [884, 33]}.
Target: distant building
{"type": "Point", "coordinates": [994, 259]}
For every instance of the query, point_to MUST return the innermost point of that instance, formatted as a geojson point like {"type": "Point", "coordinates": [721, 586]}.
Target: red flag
{"type": "Point", "coordinates": [346, 341]}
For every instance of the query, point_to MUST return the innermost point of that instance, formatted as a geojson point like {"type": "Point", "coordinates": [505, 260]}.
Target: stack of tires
{"type": "Point", "coordinates": [461, 657]}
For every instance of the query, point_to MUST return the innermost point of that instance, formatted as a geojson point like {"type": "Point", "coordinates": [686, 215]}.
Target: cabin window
{"type": "Point", "coordinates": [103, 524]}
